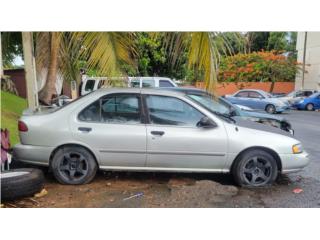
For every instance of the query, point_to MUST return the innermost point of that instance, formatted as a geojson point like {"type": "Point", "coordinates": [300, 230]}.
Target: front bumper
{"type": "Point", "coordinates": [38, 155]}
{"type": "Point", "coordinates": [282, 108]}
{"type": "Point", "coordinates": [299, 106]}
{"type": "Point", "coordinates": [294, 162]}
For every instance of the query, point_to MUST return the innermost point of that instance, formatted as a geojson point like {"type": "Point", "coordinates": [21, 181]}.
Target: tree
{"type": "Point", "coordinates": [64, 52]}
{"type": "Point", "coordinates": [11, 47]}
{"type": "Point", "coordinates": [258, 67]}
{"type": "Point", "coordinates": [277, 41]}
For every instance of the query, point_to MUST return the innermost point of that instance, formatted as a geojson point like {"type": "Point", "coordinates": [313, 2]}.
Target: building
{"type": "Point", "coordinates": [312, 74]}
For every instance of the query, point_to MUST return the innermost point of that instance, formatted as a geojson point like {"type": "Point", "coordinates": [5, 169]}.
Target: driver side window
{"type": "Point", "coordinates": [165, 110]}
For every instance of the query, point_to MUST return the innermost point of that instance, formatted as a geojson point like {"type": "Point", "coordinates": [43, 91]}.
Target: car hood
{"type": "Point", "coordinates": [262, 115]}
{"type": "Point", "coordinates": [261, 127]}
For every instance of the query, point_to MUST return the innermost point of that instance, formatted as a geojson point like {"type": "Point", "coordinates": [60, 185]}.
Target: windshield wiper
{"type": "Point", "coordinates": [224, 115]}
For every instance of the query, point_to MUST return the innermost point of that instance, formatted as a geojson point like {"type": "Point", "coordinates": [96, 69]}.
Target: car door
{"type": "Point", "coordinates": [317, 102]}
{"type": "Point", "coordinates": [175, 142]}
{"type": "Point", "coordinates": [112, 126]}
{"type": "Point", "coordinates": [256, 100]}
{"type": "Point", "coordinates": [240, 98]}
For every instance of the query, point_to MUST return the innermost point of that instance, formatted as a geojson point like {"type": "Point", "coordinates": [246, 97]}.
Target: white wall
{"type": "Point", "coordinates": [312, 77]}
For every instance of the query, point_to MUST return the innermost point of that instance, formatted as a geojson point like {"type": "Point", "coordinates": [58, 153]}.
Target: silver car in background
{"type": "Point", "coordinates": [153, 130]}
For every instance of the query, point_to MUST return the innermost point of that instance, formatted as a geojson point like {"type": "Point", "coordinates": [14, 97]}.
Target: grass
{"type": "Point", "coordinates": [11, 109]}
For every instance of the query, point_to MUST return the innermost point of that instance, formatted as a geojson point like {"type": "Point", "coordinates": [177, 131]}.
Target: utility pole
{"type": "Point", "coordinates": [304, 58]}
{"type": "Point", "coordinates": [30, 70]}
{"type": "Point", "coordinates": [1, 64]}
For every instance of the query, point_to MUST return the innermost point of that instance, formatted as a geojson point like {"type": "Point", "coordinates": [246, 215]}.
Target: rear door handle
{"type": "Point", "coordinates": [159, 133]}
{"type": "Point", "coordinates": [84, 129]}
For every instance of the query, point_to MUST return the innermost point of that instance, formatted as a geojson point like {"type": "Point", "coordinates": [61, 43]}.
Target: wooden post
{"type": "Point", "coordinates": [30, 70]}
{"type": "Point", "coordinates": [1, 64]}
{"type": "Point", "coordinates": [304, 58]}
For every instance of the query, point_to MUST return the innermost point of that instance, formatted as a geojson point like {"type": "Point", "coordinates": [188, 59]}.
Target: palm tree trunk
{"type": "Point", "coordinates": [49, 89]}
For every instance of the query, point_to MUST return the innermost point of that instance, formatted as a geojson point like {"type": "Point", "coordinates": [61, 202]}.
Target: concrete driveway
{"type": "Point", "coordinates": [194, 190]}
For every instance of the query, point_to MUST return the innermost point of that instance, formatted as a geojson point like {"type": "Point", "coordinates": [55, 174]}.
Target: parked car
{"type": "Point", "coordinates": [223, 106]}
{"type": "Point", "coordinates": [93, 83]}
{"type": "Point", "coordinates": [258, 100]}
{"type": "Point", "coordinates": [311, 103]}
{"type": "Point", "coordinates": [151, 130]}
{"type": "Point", "coordinates": [296, 96]}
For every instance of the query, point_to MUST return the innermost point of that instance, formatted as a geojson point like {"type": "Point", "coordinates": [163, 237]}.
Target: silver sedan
{"type": "Point", "coordinates": [153, 130]}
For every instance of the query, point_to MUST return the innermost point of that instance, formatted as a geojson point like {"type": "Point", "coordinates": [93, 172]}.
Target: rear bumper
{"type": "Point", "coordinates": [294, 162]}
{"type": "Point", "coordinates": [38, 155]}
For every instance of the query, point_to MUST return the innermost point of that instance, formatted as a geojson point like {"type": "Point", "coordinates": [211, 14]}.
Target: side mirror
{"type": "Point", "coordinates": [206, 122]}
{"type": "Point", "coordinates": [233, 112]}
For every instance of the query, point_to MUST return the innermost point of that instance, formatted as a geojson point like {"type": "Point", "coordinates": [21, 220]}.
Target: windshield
{"type": "Point", "coordinates": [314, 95]}
{"type": "Point", "coordinates": [211, 104]}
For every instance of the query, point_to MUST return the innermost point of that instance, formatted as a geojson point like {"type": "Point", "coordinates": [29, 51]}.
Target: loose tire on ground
{"type": "Point", "coordinates": [22, 182]}
{"type": "Point", "coordinates": [73, 165]}
{"type": "Point", "coordinates": [255, 165]}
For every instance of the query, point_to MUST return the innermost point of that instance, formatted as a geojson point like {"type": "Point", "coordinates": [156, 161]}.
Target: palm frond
{"type": "Point", "coordinates": [104, 50]}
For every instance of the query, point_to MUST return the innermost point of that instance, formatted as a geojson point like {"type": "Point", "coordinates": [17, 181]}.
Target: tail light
{"type": "Point", "coordinates": [22, 126]}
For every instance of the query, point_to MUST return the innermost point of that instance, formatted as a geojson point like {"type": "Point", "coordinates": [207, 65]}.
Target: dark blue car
{"type": "Point", "coordinates": [311, 103]}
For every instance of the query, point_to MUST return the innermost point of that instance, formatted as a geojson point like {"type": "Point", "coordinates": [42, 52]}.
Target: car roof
{"type": "Point", "coordinates": [139, 90]}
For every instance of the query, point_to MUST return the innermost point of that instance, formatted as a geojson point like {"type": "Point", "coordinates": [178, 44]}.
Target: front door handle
{"type": "Point", "coordinates": [159, 133]}
{"type": "Point", "coordinates": [84, 129]}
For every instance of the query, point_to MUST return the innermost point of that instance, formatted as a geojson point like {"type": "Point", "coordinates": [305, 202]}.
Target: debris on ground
{"type": "Point", "coordinates": [133, 196]}
{"type": "Point", "coordinates": [41, 194]}
{"type": "Point", "coordinates": [297, 190]}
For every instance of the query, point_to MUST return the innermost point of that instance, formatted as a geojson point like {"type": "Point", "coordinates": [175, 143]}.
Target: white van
{"type": "Point", "coordinates": [90, 84]}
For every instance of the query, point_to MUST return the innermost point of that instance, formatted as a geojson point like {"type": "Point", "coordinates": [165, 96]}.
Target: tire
{"type": "Point", "coordinates": [270, 109]}
{"type": "Point", "coordinates": [73, 165]}
{"type": "Point", "coordinates": [255, 168]}
{"type": "Point", "coordinates": [310, 107]}
{"type": "Point", "coordinates": [22, 182]}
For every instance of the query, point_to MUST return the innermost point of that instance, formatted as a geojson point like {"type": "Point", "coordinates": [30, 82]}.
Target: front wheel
{"type": "Point", "coordinates": [255, 168]}
{"type": "Point", "coordinates": [73, 165]}
{"type": "Point", "coordinates": [270, 109]}
{"type": "Point", "coordinates": [310, 107]}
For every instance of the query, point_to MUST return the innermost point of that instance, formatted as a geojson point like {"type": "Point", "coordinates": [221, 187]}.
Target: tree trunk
{"type": "Point", "coordinates": [49, 89]}
{"type": "Point", "coordinates": [272, 85]}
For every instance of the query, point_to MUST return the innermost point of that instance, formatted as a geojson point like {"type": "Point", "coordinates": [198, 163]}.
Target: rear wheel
{"type": "Point", "coordinates": [255, 168]}
{"type": "Point", "coordinates": [310, 107]}
{"type": "Point", "coordinates": [270, 109]}
{"type": "Point", "coordinates": [73, 165]}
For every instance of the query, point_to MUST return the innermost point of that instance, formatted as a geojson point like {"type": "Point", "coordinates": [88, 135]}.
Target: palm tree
{"type": "Point", "coordinates": [204, 51]}
{"type": "Point", "coordinates": [60, 53]}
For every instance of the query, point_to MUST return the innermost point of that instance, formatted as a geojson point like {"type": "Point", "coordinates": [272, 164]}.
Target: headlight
{"type": "Point", "coordinates": [301, 101]}
{"type": "Point", "coordinates": [281, 104]}
{"type": "Point", "coordinates": [297, 148]}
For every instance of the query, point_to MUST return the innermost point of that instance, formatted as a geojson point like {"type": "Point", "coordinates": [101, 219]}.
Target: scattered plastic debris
{"type": "Point", "coordinates": [133, 196]}
{"type": "Point", "coordinates": [297, 190]}
{"type": "Point", "coordinates": [41, 194]}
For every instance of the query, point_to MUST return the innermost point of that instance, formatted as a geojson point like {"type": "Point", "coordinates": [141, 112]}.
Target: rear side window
{"type": "Point", "coordinates": [165, 83]}
{"type": "Point", "coordinates": [308, 93]}
{"type": "Point", "coordinates": [242, 94]}
{"type": "Point", "coordinates": [135, 83]}
{"type": "Point", "coordinates": [172, 111]}
{"type": "Point", "coordinates": [148, 83]}
{"type": "Point", "coordinates": [89, 85]}
{"type": "Point", "coordinates": [254, 95]}
{"type": "Point", "coordinates": [116, 108]}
